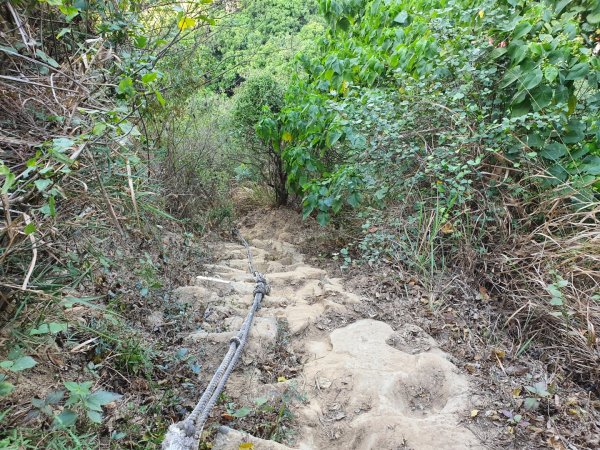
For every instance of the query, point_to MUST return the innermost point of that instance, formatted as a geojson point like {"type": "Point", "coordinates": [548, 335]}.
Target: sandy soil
{"type": "Point", "coordinates": [363, 384]}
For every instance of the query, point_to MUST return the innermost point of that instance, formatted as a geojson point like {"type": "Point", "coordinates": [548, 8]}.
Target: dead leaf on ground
{"type": "Point", "coordinates": [555, 443]}
{"type": "Point", "coordinates": [498, 353]}
{"type": "Point", "coordinates": [517, 370]}
{"type": "Point", "coordinates": [471, 368]}
{"type": "Point", "coordinates": [484, 293]}
{"type": "Point", "coordinates": [448, 228]}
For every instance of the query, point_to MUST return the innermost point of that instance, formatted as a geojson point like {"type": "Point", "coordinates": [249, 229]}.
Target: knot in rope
{"type": "Point", "coordinates": [262, 287]}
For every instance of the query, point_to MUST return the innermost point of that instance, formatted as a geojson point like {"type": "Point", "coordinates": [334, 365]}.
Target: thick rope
{"type": "Point", "coordinates": [253, 272]}
{"type": "Point", "coordinates": [185, 435]}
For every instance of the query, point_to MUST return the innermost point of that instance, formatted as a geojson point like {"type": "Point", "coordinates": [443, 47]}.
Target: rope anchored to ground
{"type": "Point", "coordinates": [185, 435]}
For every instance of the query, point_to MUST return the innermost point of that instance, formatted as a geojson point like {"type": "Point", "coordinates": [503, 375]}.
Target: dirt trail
{"type": "Point", "coordinates": [365, 385]}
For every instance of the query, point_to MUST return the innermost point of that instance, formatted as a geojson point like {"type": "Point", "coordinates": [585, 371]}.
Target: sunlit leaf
{"type": "Point", "coordinates": [185, 23]}
{"type": "Point", "coordinates": [149, 77]}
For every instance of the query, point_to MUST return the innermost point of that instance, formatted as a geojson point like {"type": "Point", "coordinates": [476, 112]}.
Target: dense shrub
{"type": "Point", "coordinates": [466, 134]}
{"type": "Point", "coordinates": [259, 99]}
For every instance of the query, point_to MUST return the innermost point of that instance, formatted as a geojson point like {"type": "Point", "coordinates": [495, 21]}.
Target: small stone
{"type": "Point", "coordinates": [324, 383]}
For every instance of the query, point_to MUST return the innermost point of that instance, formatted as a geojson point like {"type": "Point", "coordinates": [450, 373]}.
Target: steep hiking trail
{"type": "Point", "coordinates": [359, 384]}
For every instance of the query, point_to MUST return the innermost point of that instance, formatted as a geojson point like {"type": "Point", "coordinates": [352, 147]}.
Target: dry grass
{"type": "Point", "coordinates": [252, 196]}
{"type": "Point", "coordinates": [43, 99]}
{"type": "Point", "coordinates": [523, 273]}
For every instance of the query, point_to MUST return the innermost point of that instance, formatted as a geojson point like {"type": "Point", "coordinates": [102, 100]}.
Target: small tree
{"type": "Point", "coordinates": [257, 103]}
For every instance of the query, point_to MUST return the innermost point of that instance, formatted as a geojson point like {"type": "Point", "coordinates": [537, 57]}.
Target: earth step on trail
{"type": "Point", "coordinates": [365, 385]}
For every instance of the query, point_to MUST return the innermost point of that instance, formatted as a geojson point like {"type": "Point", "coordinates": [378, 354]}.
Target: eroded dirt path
{"type": "Point", "coordinates": [363, 385]}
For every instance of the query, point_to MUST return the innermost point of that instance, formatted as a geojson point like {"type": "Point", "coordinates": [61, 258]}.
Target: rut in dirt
{"type": "Point", "coordinates": [362, 386]}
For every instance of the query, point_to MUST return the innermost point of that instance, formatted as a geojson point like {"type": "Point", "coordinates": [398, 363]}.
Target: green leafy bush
{"type": "Point", "coordinates": [465, 134]}
{"type": "Point", "coordinates": [513, 82]}
{"type": "Point", "coordinates": [259, 137]}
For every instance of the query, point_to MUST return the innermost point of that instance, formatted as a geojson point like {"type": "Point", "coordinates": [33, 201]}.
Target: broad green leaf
{"type": "Point", "coordinates": [520, 109]}
{"type": "Point", "coordinates": [575, 132]}
{"type": "Point", "coordinates": [149, 77]}
{"type": "Point", "coordinates": [531, 404]}
{"type": "Point", "coordinates": [125, 87]}
{"type": "Point", "coordinates": [57, 327]}
{"type": "Point", "coordinates": [55, 397]}
{"type": "Point", "coordinates": [550, 73]}
{"type": "Point", "coordinates": [401, 17]}
{"type": "Point", "coordinates": [323, 218]}
{"type": "Point", "coordinates": [498, 52]}
{"type": "Point", "coordinates": [70, 12]}
{"type": "Point", "coordinates": [535, 140]}
{"type": "Point", "coordinates": [42, 329]}
{"type": "Point", "coordinates": [29, 228]}
{"type": "Point", "coordinates": [25, 362]}
{"type": "Point", "coordinates": [591, 165]}
{"type": "Point", "coordinates": [9, 181]}
{"type": "Point", "coordinates": [242, 412]}
{"type": "Point", "coordinates": [62, 144]}
{"type": "Point", "coordinates": [99, 128]}
{"type": "Point", "coordinates": [532, 78]}
{"type": "Point", "coordinates": [343, 24]}
{"type": "Point", "coordinates": [542, 96]}
{"type": "Point", "coordinates": [572, 104]}
{"type": "Point", "coordinates": [353, 199]}
{"type": "Point", "coordinates": [560, 5]}
{"type": "Point", "coordinates": [510, 77]}
{"type": "Point", "coordinates": [558, 172]}
{"type": "Point", "coordinates": [578, 71]}
{"type": "Point", "coordinates": [42, 184]}
{"type": "Point", "coordinates": [260, 401]}
{"type": "Point", "coordinates": [51, 206]}
{"type": "Point", "coordinates": [81, 389]}
{"type": "Point", "coordinates": [65, 419]}
{"type": "Point", "coordinates": [6, 388]}
{"type": "Point", "coordinates": [333, 136]}
{"type": "Point", "coordinates": [554, 151]}
{"type": "Point", "coordinates": [208, 20]}
{"type": "Point", "coordinates": [47, 59]}
{"type": "Point", "coordinates": [52, 328]}
{"type": "Point", "coordinates": [118, 435]}
{"type": "Point", "coordinates": [140, 41]}
{"type": "Point", "coordinates": [102, 398]}
{"type": "Point", "coordinates": [517, 52]}
{"type": "Point", "coordinates": [521, 30]}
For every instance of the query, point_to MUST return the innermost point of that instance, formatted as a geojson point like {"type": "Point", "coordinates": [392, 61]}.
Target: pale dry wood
{"type": "Point", "coordinates": [33, 250]}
